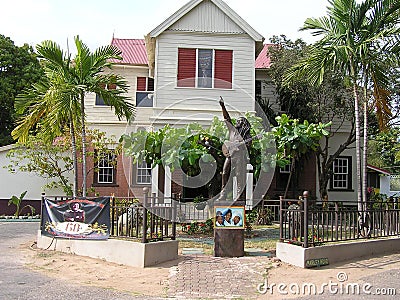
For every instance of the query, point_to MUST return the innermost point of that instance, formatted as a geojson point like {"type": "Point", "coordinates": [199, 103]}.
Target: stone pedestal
{"type": "Point", "coordinates": [228, 242]}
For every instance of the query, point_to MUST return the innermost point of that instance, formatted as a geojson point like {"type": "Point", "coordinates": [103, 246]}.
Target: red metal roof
{"type": "Point", "coordinates": [379, 170]}
{"type": "Point", "coordinates": [263, 61]}
{"type": "Point", "coordinates": [133, 51]}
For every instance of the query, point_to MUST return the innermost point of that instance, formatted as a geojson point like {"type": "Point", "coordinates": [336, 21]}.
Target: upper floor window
{"type": "Point", "coordinates": [100, 101]}
{"type": "Point", "coordinates": [341, 177]}
{"type": "Point", "coordinates": [205, 68]}
{"type": "Point", "coordinates": [144, 91]}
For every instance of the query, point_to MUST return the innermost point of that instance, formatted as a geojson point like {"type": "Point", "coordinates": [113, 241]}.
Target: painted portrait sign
{"type": "Point", "coordinates": [232, 217]}
{"type": "Point", "coordinates": [77, 218]}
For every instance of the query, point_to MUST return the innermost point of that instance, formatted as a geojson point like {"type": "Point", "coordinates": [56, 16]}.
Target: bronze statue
{"type": "Point", "coordinates": [236, 152]}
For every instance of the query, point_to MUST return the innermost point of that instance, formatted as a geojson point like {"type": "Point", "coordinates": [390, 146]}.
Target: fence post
{"type": "Point", "coordinates": [281, 218]}
{"type": "Point", "coordinates": [174, 208]}
{"type": "Point", "coordinates": [41, 211]}
{"type": "Point", "coordinates": [112, 208]}
{"type": "Point", "coordinates": [145, 200]}
{"type": "Point", "coordinates": [337, 220]}
{"type": "Point", "coordinates": [305, 210]}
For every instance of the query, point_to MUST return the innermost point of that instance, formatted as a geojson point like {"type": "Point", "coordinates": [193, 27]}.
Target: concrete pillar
{"type": "Point", "coordinates": [168, 182]}
{"type": "Point", "coordinates": [154, 180]}
{"type": "Point", "coordinates": [249, 187]}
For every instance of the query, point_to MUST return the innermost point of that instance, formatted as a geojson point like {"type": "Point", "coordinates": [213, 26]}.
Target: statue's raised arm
{"type": "Point", "coordinates": [225, 113]}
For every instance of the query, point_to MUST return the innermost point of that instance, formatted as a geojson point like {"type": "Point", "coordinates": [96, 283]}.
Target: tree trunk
{"type": "Point", "coordinates": [74, 157]}
{"type": "Point", "coordinates": [365, 150]}
{"type": "Point", "coordinates": [84, 174]}
{"type": "Point", "coordinates": [358, 154]}
{"type": "Point", "coordinates": [290, 177]}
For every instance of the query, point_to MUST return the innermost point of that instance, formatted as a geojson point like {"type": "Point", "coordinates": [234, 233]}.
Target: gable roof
{"type": "Point", "coordinates": [133, 51]}
{"type": "Point", "coordinates": [221, 5]}
{"type": "Point", "coordinates": [263, 61]}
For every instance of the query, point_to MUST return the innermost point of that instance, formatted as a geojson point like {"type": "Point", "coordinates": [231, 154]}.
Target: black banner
{"type": "Point", "coordinates": [77, 218]}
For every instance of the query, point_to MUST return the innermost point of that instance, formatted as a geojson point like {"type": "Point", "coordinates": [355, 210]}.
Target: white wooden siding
{"type": "Point", "coordinates": [97, 114]}
{"type": "Point", "coordinates": [241, 97]}
{"type": "Point", "coordinates": [206, 17]}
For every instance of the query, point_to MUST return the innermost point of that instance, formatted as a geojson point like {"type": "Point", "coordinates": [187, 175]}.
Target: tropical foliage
{"type": "Point", "coordinates": [59, 98]}
{"type": "Point", "coordinates": [187, 147]}
{"type": "Point", "coordinates": [360, 40]}
{"type": "Point", "coordinates": [19, 67]}
{"type": "Point", "coordinates": [53, 160]}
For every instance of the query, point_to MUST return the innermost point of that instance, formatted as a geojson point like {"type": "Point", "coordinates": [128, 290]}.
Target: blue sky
{"type": "Point", "coordinates": [32, 21]}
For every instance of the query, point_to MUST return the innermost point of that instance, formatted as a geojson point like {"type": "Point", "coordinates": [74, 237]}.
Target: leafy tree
{"type": "Point", "coordinates": [329, 102]}
{"type": "Point", "coordinates": [185, 148]}
{"type": "Point", "coordinates": [384, 150]}
{"type": "Point", "coordinates": [355, 38]}
{"type": "Point", "coordinates": [60, 97]}
{"type": "Point", "coordinates": [294, 140]}
{"type": "Point", "coordinates": [53, 160]}
{"type": "Point", "coordinates": [19, 68]}
{"type": "Point", "coordinates": [188, 147]}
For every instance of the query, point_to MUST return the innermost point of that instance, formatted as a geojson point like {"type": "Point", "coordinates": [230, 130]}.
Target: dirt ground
{"type": "Point", "coordinates": [153, 281]}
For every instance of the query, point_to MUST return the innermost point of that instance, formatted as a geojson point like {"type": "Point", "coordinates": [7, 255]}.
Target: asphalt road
{"type": "Point", "coordinates": [18, 282]}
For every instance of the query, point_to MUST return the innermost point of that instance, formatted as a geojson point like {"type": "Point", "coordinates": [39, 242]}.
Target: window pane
{"type": "Point", "coordinates": [205, 64]}
{"type": "Point", "coordinates": [144, 99]}
{"type": "Point", "coordinates": [105, 173]}
{"type": "Point", "coordinates": [341, 176]}
{"type": "Point", "coordinates": [143, 173]}
{"type": "Point", "coordinates": [99, 101]}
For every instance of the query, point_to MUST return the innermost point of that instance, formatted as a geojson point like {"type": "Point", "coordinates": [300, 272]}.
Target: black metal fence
{"type": "Point", "coordinates": [308, 224]}
{"type": "Point", "coordinates": [144, 219]}
{"type": "Point", "coordinates": [147, 220]}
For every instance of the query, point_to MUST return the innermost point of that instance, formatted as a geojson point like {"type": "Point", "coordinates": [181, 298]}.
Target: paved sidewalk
{"type": "Point", "coordinates": [206, 277]}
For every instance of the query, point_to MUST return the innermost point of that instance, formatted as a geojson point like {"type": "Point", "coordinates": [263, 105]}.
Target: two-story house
{"type": "Point", "coordinates": [177, 74]}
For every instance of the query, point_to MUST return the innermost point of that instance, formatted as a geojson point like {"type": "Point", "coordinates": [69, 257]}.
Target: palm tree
{"type": "Point", "coordinates": [351, 34]}
{"type": "Point", "coordinates": [59, 98]}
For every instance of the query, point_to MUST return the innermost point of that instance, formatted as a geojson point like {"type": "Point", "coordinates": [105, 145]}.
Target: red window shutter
{"type": "Point", "coordinates": [186, 67]}
{"type": "Point", "coordinates": [223, 69]}
{"type": "Point", "coordinates": [141, 83]}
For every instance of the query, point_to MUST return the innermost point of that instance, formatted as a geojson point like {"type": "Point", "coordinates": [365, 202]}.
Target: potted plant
{"type": "Point", "coordinates": [199, 202]}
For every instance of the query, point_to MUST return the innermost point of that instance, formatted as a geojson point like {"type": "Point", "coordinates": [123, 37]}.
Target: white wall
{"type": "Point", "coordinates": [16, 183]}
{"type": "Point", "coordinates": [240, 98]}
{"type": "Point", "coordinates": [351, 195]}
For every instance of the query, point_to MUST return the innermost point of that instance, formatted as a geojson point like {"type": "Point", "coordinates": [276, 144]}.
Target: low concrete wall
{"type": "Point", "coordinates": [118, 251]}
{"type": "Point", "coordinates": [297, 256]}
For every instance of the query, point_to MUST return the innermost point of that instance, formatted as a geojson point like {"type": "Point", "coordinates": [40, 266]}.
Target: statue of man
{"type": "Point", "coordinates": [236, 152]}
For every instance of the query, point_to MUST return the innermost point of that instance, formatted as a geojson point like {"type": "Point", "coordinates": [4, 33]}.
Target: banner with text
{"type": "Point", "coordinates": [77, 218]}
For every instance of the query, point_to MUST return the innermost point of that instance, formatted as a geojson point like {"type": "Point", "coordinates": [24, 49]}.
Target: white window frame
{"type": "Point", "coordinates": [141, 169]}
{"type": "Point", "coordinates": [341, 173]}
{"type": "Point", "coordinates": [212, 68]}
{"type": "Point", "coordinates": [106, 165]}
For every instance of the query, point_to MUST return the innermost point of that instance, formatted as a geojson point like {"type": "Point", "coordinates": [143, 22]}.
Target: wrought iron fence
{"type": "Point", "coordinates": [312, 225]}
{"type": "Point", "coordinates": [147, 220]}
